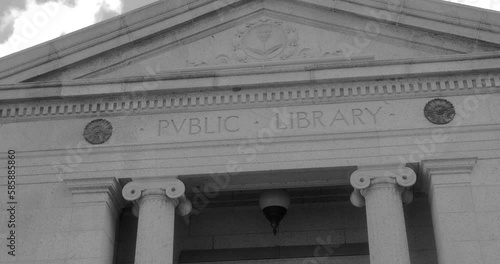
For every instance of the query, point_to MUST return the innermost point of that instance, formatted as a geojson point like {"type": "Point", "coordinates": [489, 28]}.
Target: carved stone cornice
{"type": "Point", "coordinates": [94, 190]}
{"type": "Point", "coordinates": [170, 187]}
{"type": "Point", "coordinates": [291, 94]}
{"type": "Point", "coordinates": [446, 171]}
{"type": "Point", "coordinates": [371, 176]}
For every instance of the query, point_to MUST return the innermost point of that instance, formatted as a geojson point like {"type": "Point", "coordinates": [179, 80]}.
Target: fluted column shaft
{"type": "Point", "coordinates": [381, 191]}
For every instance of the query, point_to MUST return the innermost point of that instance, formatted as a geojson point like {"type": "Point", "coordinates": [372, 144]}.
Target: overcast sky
{"type": "Point", "coordinates": [25, 23]}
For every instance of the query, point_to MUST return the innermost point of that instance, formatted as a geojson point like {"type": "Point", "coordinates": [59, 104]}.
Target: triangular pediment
{"type": "Point", "coordinates": [266, 40]}
{"type": "Point", "coordinates": [236, 34]}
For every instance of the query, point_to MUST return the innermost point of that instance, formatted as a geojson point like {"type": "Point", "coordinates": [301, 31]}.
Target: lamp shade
{"type": "Point", "coordinates": [274, 198]}
{"type": "Point", "coordinates": [274, 204]}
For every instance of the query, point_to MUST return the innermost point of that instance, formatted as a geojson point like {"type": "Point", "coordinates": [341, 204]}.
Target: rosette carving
{"type": "Point", "coordinates": [439, 111]}
{"type": "Point", "coordinates": [98, 131]}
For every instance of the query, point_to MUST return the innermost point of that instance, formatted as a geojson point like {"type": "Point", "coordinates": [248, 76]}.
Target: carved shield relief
{"type": "Point", "coordinates": [264, 40]}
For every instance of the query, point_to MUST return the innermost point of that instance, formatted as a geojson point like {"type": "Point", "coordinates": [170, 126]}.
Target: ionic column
{"type": "Point", "coordinates": [156, 204]}
{"type": "Point", "coordinates": [383, 190]}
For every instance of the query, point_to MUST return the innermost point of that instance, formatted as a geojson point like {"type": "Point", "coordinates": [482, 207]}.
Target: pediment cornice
{"type": "Point", "coordinates": [158, 18]}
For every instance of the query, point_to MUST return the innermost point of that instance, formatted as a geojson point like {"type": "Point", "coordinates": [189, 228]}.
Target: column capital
{"type": "Point", "coordinates": [95, 190]}
{"type": "Point", "coordinates": [365, 177]}
{"type": "Point", "coordinates": [450, 171]}
{"type": "Point", "coordinates": [171, 187]}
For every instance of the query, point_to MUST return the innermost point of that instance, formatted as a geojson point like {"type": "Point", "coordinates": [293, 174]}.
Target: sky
{"type": "Point", "coordinates": [25, 23]}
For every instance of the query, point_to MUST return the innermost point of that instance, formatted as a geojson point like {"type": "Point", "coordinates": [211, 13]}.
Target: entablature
{"type": "Point", "coordinates": [276, 85]}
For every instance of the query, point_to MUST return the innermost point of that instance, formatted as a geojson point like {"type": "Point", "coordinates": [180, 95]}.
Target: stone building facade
{"type": "Point", "coordinates": [149, 137]}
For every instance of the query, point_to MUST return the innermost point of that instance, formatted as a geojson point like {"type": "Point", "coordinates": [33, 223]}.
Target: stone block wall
{"type": "Point", "coordinates": [44, 219]}
{"type": "Point", "coordinates": [55, 227]}
{"type": "Point", "coordinates": [470, 216]}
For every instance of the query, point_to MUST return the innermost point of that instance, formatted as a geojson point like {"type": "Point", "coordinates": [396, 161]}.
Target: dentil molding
{"type": "Point", "coordinates": [244, 98]}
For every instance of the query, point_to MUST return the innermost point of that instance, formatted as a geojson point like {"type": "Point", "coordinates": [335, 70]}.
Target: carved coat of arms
{"type": "Point", "coordinates": [264, 40]}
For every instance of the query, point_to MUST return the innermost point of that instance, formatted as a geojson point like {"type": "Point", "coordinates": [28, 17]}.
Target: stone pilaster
{"type": "Point", "coordinates": [156, 203]}
{"type": "Point", "coordinates": [383, 189]}
{"type": "Point", "coordinates": [96, 207]}
{"type": "Point", "coordinates": [447, 182]}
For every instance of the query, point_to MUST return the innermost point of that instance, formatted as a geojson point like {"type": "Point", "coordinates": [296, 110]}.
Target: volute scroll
{"type": "Point", "coordinates": [173, 189]}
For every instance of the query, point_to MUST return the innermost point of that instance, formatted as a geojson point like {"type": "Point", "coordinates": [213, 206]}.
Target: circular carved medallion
{"type": "Point", "coordinates": [97, 131]}
{"type": "Point", "coordinates": [439, 111]}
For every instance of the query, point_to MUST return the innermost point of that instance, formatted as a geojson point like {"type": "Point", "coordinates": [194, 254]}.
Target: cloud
{"type": "Point", "coordinates": [37, 21]}
{"type": "Point", "coordinates": [70, 3]}
{"type": "Point", "coordinates": [6, 29]}
{"type": "Point", "coordinates": [6, 18]}
{"type": "Point", "coordinates": [12, 4]}
{"type": "Point", "coordinates": [107, 11]}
